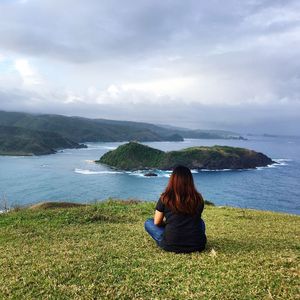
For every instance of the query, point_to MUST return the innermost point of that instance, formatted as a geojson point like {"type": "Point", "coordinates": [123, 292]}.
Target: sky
{"type": "Point", "coordinates": [232, 65]}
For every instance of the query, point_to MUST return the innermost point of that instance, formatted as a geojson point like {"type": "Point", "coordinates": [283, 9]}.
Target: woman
{"type": "Point", "coordinates": [182, 206]}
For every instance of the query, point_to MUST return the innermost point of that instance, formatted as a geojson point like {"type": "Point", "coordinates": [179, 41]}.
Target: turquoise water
{"type": "Point", "coordinates": [71, 175]}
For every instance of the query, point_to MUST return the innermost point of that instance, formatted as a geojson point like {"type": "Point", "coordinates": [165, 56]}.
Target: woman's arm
{"type": "Point", "coordinates": [158, 218]}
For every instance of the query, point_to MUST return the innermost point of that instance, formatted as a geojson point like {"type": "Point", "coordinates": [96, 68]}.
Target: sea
{"type": "Point", "coordinates": [72, 175]}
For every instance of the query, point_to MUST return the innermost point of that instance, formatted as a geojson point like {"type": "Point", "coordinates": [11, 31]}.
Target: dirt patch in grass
{"type": "Point", "coordinates": [53, 205]}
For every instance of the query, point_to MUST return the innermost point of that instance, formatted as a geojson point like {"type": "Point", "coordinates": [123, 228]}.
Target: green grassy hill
{"type": "Point", "coordinates": [135, 156]}
{"type": "Point", "coordinates": [22, 141]}
{"type": "Point", "coordinates": [101, 251]}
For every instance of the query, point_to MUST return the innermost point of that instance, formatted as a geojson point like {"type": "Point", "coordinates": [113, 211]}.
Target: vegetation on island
{"type": "Point", "coordinates": [101, 251]}
{"type": "Point", "coordinates": [22, 141]}
{"type": "Point", "coordinates": [136, 156]}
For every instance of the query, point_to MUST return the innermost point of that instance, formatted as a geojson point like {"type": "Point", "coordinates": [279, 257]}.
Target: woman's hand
{"type": "Point", "coordinates": [158, 218]}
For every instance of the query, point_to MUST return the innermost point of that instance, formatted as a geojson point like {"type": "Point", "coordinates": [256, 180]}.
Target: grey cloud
{"type": "Point", "coordinates": [95, 30]}
{"type": "Point", "coordinates": [249, 118]}
{"type": "Point", "coordinates": [252, 53]}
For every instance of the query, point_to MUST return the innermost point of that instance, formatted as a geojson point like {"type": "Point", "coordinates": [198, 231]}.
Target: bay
{"type": "Point", "coordinates": [72, 175]}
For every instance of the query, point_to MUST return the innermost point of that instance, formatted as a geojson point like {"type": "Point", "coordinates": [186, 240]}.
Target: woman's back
{"type": "Point", "coordinates": [183, 232]}
{"type": "Point", "coordinates": [181, 205]}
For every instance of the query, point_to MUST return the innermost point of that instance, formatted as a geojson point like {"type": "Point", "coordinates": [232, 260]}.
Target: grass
{"type": "Point", "coordinates": [101, 251]}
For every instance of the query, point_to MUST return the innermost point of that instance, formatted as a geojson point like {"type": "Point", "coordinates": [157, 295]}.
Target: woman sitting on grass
{"type": "Point", "coordinates": [181, 205]}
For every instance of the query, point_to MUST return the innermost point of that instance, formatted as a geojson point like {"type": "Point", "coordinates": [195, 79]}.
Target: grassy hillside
{"type": "Point", "coordinates": [134, 156]}
{"type": "Point", "coordinates": [22, 141]}
{"type": "Point", "coordinates": [101, 251]}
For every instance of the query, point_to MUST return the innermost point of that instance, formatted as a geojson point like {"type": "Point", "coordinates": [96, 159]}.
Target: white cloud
{"type": "Point", "coordinates": [173, 87]}
{"type": "Point", "coordinates": [278, 15]}
{"type": "Point", "coordinates": [29, 75]}
{"type": "Point", "coordinates": [107, 58]}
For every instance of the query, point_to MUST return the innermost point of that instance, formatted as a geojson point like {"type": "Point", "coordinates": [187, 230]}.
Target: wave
{"type": "Point", "coordinates": [91, 172]}
{"type": "Point", "coordinates": [282, 161]}
{"type": "Point", "coordinates": [94, 147]}
{"type": "Point", "coordinates": [17, 156]}
{"type": "Point", "coordinates": [266, 167]}
{"type": "Point", "coordinates": [90, 161]}
{"type": "Point", "coordinates": [219, 170]}
{"type": "Point", "coordinates": [278, 162]}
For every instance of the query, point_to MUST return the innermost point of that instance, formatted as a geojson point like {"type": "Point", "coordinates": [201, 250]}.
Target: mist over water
{"type": "Point", "coordinates": [72, 175]}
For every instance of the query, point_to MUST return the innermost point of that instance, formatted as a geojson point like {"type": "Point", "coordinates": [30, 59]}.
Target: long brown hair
{"type": "Point", "coordinates": [181, 195]}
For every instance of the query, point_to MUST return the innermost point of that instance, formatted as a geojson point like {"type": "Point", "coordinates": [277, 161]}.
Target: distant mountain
{"type": "Point", "coordinates": [22, 141]}
{"type": "Point", "coordinates": [83, 129]}
{"type": "Point", "coordinates": [135, 156]}
{"type": "Point", "coordinates": [78, 130]}
{"type": "Point", "coordinates": [204, 134]}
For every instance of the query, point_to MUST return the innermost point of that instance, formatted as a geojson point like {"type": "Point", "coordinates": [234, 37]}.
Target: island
{"type": "Point", "coordinates": [135, 156]}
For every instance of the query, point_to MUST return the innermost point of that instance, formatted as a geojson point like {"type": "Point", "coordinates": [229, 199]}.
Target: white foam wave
{"type": "Point", "coordinates": [170, 171]}
{"type": "Point", "coordinates": [90, 161]}
{"type": "Point", "coordinates": [278, 162]}
{"type": "Point", "coordinates": [282, 161]}
{"type": "Point", "coordinates": [94, 147]}
{"type": "Point", "coordinates": [91, 172]}
{"type": "Point", "coordinates": [138, 174]}
{"type": "Point", "coordinates": [218, 170]}
{"type": "Point", "coordinates": [266, 167]}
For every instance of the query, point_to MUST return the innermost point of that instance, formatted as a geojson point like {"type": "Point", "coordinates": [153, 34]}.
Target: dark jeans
{"type": "Point", "coordinates": [156, 232]}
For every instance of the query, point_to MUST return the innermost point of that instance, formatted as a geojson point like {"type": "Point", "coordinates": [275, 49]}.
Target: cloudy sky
{"type": "Point", "coordinates": [200, 64]}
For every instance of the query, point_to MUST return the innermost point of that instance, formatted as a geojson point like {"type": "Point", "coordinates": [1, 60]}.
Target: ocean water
{"type": "Point", "coordinates": [71, 175]}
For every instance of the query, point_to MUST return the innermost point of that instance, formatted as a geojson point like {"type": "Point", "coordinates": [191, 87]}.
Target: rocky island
{"type": "Point", "coordinates": [135, 156]}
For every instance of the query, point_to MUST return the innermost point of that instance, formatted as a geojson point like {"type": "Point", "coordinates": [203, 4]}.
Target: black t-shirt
{"type": "Point", "coordinates": [183, 232]}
